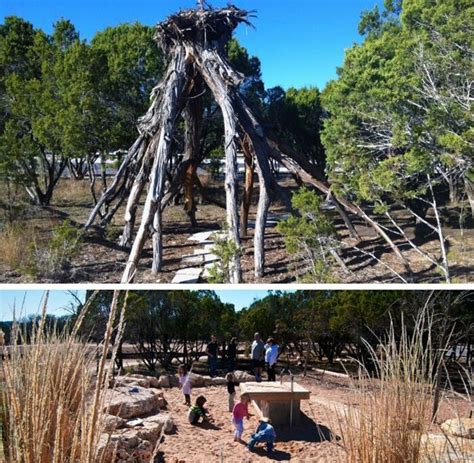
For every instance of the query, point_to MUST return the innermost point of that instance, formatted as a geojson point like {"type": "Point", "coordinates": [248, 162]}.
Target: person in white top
{"type": "Point", "coordinates": [185, 384]}
{"type": "Point", "coordinates": [271, 358]}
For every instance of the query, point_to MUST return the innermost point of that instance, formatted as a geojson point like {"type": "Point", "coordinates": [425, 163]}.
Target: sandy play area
{"type": "Point", "coordinates": [314, 439]}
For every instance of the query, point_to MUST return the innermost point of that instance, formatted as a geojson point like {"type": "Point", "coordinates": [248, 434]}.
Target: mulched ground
{"type": "Point", "coordinates": [102, 260]}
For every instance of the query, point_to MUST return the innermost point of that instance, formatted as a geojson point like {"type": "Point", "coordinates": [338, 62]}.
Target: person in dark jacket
{"type": "Point", "coordinates": [232, 354]}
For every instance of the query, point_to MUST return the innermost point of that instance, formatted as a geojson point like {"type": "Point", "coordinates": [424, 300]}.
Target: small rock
{"type": "Point", "coordinates": [111, 423]}
{"type": "Point", "coordinates": [135, 422]}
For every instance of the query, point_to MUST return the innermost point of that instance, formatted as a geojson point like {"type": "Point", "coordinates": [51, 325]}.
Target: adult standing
{"type": "Point", "coordinates": [232, 353]}
{"type": "Point", "coordinates": [212, 350]}
{"type": "Point", "coordinates": [258, 356]}
{"type": "Point", "coordinates": [271, 358]}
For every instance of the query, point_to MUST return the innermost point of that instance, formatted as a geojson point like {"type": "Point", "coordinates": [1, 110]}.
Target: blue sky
{"type": "Point", "coordinates": [59, 302]}
{"type": "Point", "coordinates": [299, 42]}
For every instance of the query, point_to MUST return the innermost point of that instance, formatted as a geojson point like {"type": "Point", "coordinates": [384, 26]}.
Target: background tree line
{"type": "Point", "coordinates": [66, 102]}
{"type": "Point", "coordinates": [176, 325]}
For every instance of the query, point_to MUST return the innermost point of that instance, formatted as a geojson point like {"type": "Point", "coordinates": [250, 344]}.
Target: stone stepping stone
{"type": "Point", "coordinates": [193, 259]}
{"type": "Point", "coordinates": [187, 275]}
{"type": "Point", "coordinates": [201, 236]}
{"type": "Point", "coordinates": [210, 257]}
{"type": "Point", "coordinates": [201, 252]}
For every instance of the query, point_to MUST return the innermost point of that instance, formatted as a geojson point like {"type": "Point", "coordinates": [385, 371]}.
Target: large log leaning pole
{"type": "Point", "coordinates": [172, 93]}
{"type": "Point", "coordinates": [122, 172]}
{"type": "Point", "coordinates": [135, 195]}
{"type": "Point", "coordinates": [220, 89]}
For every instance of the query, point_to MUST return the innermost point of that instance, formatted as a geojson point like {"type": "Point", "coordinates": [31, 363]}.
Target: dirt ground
{"type": "Point", "coordinates": [102, 260]}
{"type": "Point", "coordinates": [315, 439]}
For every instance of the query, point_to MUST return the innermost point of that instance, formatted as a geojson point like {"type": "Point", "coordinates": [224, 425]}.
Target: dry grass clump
{"type": "Point", "coordinates": [74, 192]}
{"type": "Point", "coordinates": [393, 415]}
{"type": "Point", "coordinates": [52, 399]}
{"type": "Point", "coordinates": [15, 239]}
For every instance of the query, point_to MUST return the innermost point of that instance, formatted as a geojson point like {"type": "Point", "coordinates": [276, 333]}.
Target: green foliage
{"type": "Point", "coordinates": [310, 234]}
{"type": "Point", "coordinates": [226, 249]}
{"type": "Point", "coordinates": [64, 98]}
{"type": "Point", "coordinates": [398, 112]}
{"type": "Point", "coordinates": [52, 260]}
{"type": "Point", "coordinates": [296, 116]}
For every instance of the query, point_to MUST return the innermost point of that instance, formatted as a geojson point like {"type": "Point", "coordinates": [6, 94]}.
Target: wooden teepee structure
{"type": "Point", "coordinates": [195, 42]}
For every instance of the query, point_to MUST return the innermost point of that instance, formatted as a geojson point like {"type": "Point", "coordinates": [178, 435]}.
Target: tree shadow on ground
{"type": "Point", "coordinates": [305, 430]}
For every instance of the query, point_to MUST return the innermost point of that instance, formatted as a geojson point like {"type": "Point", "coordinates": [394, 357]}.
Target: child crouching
{"type": "Point", "coordinates": [197, 411]}
{"type": "Point", "coordinates": [264, 433]}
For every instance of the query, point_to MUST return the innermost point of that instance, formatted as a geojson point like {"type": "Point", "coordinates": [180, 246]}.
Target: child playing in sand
{"type": "Point", "coordinates": [197, 411]}
{"type": "Point", "coordinates": [240, 411]}
{"type": "Point", "coordinates": [185, 384]}
{"type": "Point", "coordinates": [265, 432]}
{"type": "Point", "coordinates": [231, 383]}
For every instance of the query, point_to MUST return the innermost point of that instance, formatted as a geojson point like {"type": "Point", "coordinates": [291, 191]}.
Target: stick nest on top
{"type": "Point", "coordinates": [200, 26]}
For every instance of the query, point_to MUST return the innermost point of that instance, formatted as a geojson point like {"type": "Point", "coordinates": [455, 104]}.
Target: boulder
{"type": "Point", "coordinates": [196, 380]}
{"type": "Point", "coordinates": [162, 402]}
{"type": "Point", "coordinates": [136, 444]}
{"type": "Point", "coordinates": [154, 426]}
{"type": "Point", "coordinates": [459, 427]}
{"type": "Point", "coordinates": [132, 380]}
{"type": "Point", "coordinates": [218, 381]}
{"type": "Point", "coordinates": [166, 381]}
{"type": "Point", "coordinates": [243, 377]}
{"type": "Point", "coordinates": [130, 402]}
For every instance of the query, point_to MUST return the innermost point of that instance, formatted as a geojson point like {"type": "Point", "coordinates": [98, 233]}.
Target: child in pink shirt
{"type": "Point", "coordinates": [240, 411]}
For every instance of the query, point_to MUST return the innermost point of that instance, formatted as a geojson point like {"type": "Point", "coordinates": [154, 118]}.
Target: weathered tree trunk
{"type": "Point", "coordinates": [212, 73]}
{"type": "Point", "coordinates": [308, 176]}
{"type": "Point", "coordinates": [171, 105]}
{"type": "Point", "coordinates": [248, 188]}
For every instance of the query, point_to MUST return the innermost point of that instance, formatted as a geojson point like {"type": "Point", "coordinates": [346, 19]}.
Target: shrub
{"type": "Point", "coordinates": [311, 235]}
{"type": "Point", "coordinates": [226, 250]}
